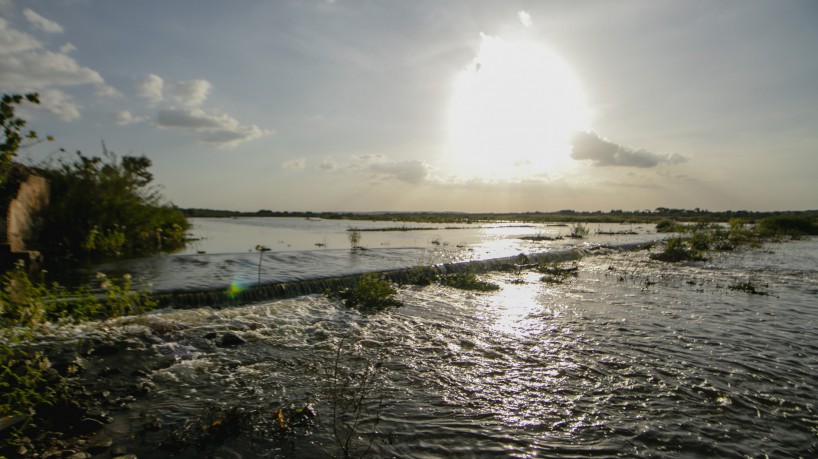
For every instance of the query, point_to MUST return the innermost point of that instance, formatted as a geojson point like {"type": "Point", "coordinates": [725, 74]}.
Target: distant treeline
{"type": "Point", "coordinates": [613, 216]}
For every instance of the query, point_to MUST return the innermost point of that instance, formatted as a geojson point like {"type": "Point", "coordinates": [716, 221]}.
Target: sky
{"type": "Point", "coordinates": [431, 105]}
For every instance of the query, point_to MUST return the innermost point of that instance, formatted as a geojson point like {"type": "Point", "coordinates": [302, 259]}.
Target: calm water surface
{"type": "Point", "coordinates": [632, 358]}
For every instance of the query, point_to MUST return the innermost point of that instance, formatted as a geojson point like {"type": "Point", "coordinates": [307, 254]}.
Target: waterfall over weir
{"type": "Point", "coordinates": [231, 296]}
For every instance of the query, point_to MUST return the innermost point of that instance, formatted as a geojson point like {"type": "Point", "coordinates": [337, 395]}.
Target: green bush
{"type": "Point", "coordinates": [787, 225]}
{"type": "Point", "coordinates": [678, 249]}
{"type": "Point", "coordinates": [107, 208]}
{"type": "Point", "coordinates": [27, 380]}
{"type": "Point", "coordinates": [371, 293]}
{"type": "Point", "coordinates": [467, 281]}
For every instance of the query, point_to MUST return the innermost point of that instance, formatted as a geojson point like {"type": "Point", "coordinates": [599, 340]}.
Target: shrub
{"type": "Point", "coordinates": [371, 293]}
{"type": "Point", "coordinates": [667, 226]}
{"type": "Point", "coordinates": [467, 281]}
{"type": "Point", "coordinates": [579, 231]}
{"type": "Point", "coordinates": [793, 226]}
{"type": "Point", "coordinates": [677, 249]}
{"type": "Point", "coordinates": [13, 133]}
{"type": "Point", "coordinates": [108, 208]}
{"type": "Point", "coordinates": [354, 236]}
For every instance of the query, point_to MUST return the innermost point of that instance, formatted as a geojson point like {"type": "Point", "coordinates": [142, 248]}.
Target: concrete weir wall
{"type": "Point", "coordinates": [21, 217]}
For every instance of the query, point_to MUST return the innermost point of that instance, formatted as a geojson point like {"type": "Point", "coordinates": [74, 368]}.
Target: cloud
{"type": "Point", "coordinates": [46, 25]}
{"type": "Point", "coordinates": [589, 146]}
{"type": "Point", "coordinates": [151, 88]}
{"type": "Point", "coordinates": [190, 93]}
{"type": "Point", "coordinates": [220, 129]}
{"type": "Point", "coordinates": [27, 66]}
{"type": "Point", "coordinates": [410, 171]}
{"type": "Point", "coordinates": [327, 164]}
{"type": "Point", "coordinates": [525, 18]}
{"type": "Point", "coordinates": [294, 164]}
{"type": "Point", "coordinates": [59, 103]}
{"type": "Point", "coordinates": [125, 117]}
{"type": "Point", "coordinates": [67, 48]}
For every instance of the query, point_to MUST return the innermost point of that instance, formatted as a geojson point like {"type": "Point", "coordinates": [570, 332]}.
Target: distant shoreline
{"type": "Point", "coordinates": [562, 216]}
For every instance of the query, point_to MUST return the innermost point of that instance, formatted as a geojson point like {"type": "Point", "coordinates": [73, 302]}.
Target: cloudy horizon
{"type": "Point", "coordinates": [431, 106]}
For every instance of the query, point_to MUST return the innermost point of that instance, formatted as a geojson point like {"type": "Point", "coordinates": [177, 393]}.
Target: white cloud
{"type": "Point", "coordinates": [13, 41]}
{"type": "Point", "coordinates": [26, 66]}
{"type": "Point", "coordinates": [411, 171]}
{"type": "Point", "coordinates": [525, 18]}
{"type": "Point", "coordinates": [294, 164]}
{"type": "Point", "coordinates": [220, 129]}
{"type": "Point", "coordinates": [190, 93]}
{"type": "Point", "coordinates": [601, 152]}
{"type": "Point", "coordinates": [125, 117]}
{"type": "Point", "coordinates": [151, 88]}
{"type": "Point", "coordinates": [59, 103]}
{"type": "Point", "coordinates": [46, 25]}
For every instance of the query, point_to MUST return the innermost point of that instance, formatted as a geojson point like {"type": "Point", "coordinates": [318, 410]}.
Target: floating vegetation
{"type": "Point", "coordinates": [747, 287]}
{"type": "Point", "coordinates": [677, 249]}
{"type": "Point", "coordinates": [579, 231]}
{"type": "Point", "coordinates": [541, 237]}
{"type": "Point", "coordinates": [467, 281]}
{"type": "Point", "coordinates": [371, 293]}
{"type": "Point", "coordinates": [555, 273]}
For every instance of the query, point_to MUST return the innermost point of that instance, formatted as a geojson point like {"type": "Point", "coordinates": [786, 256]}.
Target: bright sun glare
{"type": "Point", "coordinates": [513, 112]}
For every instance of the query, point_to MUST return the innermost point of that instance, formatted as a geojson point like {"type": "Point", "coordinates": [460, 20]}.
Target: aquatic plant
{"type": "Point", "coordinates": [787, 225]}
{"type": "Point", "coordinates": [677, 249]}
{"type": "Point", "coordinates": [555, 272]}
{"type": "Point", "coordinates": [354, 236]}
{"type": "Point", "coordinates": [355, 400]}
{"type": "Point", "coordinates": [422, 275]}
{"type": "Point", "coordinates": [579, 231]}
{"type": "Point", "coordinates": [371, 293]}
{"type": "Point", "coordinates": [747, 287]}
{"type": "Point", "coordinates": [467, 281]}
{"type": "Point", "coordinates": [261, 249]}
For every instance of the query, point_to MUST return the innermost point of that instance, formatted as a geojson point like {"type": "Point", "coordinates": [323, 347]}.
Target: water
{"type": "Point", "coordinates": [631, 358]}
{"type": "Point", "coordinates": [224, 252]}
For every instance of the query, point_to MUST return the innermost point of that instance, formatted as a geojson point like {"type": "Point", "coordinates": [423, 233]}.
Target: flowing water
{"type": "Point", "coordinates": [632, 357]}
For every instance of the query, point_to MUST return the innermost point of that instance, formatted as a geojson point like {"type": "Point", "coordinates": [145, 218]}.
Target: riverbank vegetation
{"type": "Point", "coordinates": [563, 216]}
{"type": "Point", "coordinates": [103, 207]}
{"type": "Point", "coordinates": [99, 207]}
{"type": "Point", "coordinates": [39, 402]}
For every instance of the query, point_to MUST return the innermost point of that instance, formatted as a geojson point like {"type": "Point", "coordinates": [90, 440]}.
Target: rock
{"type": "Point", "coordinates": [104, 350]}
{"type": "Point", "coordinates": [100, 446]}
{"type": "Point", "coordinates": [80, 455]}
{"type": "Point", "coordinates": [125, 456]}
{"type": "Point", "coordinates": [231, 339]}
{"type": "Point", "coordinates": [108, 371]}
{"type": "Point", "coordinates": [211, 335]}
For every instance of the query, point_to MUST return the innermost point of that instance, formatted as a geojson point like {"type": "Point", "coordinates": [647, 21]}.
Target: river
{"type": "Point", "coordinates": [630, 358]}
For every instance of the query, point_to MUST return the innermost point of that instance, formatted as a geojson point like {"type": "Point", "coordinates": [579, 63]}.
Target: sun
{"type": "Point", "coordinates": [513, 111]}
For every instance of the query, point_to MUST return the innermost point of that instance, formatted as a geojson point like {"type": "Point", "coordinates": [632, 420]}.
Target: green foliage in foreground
{"type": "Point", "coordinates": [13, 130]}
{"type": "Point", "coordinates": [371, 293]}
{"type": "Point", "coordinates": [27, 380]}
{"type": "Point", "coordinates": [107, 208]}
{"type": "Point", "coordinates": [467, 281]}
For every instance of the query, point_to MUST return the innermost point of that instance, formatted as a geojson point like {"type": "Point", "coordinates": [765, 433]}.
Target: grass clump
{"type": "Point", "coordinates": [678, 249]}
{"type": "Point", "coordinates": [748, 287]}
{"type": "Point", "coordinates": [371, 293]}
{"type": "Point", "coordinates": [422, 275]}
{"type": "Point", "coordinates": [467, 281]}
{"type": "Point", "coordinates": [788, 225]}
{"type": "Point", "coordinates": [579, 231]}
{"type": "Point", "coordinates": [556, 273]}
